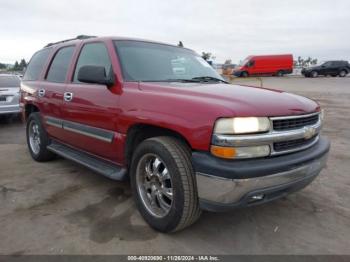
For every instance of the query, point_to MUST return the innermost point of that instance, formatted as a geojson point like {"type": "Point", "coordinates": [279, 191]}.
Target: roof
{"type": "Point", "coordinates": [87, 37]}
{"type": "Point", "coordinates": [79, 37]}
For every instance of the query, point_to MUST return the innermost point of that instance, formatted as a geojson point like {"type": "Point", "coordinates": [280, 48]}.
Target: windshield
{"type": "Point", "coordinates": [242, 63]}
{"type": "Point", "coordinates": [142, 61]}
{"type": "Point", "coordinates": [10, 81]}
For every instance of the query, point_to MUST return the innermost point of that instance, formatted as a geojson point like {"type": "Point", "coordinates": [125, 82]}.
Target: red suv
{"type": "Point", "coordinates": [160, 116]}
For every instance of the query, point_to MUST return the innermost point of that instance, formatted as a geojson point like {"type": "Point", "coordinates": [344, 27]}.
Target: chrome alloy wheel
{"type": "Point", "coordinates": [34, 137]}
{"type": "Point", "coordinates": [154, 185]}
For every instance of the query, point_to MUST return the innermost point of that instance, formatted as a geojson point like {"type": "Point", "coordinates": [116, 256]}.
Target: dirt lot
{"type": "Point", "coordinates": [62, 208]}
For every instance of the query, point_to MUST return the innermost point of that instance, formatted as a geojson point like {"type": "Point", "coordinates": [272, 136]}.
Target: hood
{"type": "Point", "coordinates": [237, 68]}
{"type": "Point", "coordinates": [225, 100]}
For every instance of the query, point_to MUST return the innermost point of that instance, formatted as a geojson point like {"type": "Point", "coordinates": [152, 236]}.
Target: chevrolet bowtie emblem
{"type": "Point", "coordinates": [309, 132]}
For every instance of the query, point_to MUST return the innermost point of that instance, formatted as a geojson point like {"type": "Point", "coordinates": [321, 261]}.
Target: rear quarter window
{"type": "Point", "coordinates": [36, 65]}
{"type": "Point", "coordinates": [59, 66]}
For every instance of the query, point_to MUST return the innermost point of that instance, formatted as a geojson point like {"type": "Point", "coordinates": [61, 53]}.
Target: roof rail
{"type": "Point", "coordinates": [79, 37]}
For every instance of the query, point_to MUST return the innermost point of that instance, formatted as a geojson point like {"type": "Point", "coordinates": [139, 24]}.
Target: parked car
{"type": "Point", "coordinates": [332, 68]}
{"type": "Point", "coordinates": [187, 140]}
{"type": "Point", "coordinates": [227, 69]}
{"type": "Point", "coordinates": [278, 65]}
{"type": "Point", "coordinates": [9, 94]}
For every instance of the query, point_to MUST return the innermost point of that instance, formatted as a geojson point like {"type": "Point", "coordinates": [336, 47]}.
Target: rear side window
{"type": "Point", "coordinates": [335, 63]}
{"type": "Point", "coordinates": [36, 65]}
{"type": "Point", "coordinates": [10, 81]}
{"type": "Point", "coordinates": [59, 66]}
{"type": "Point", "coordinates": [95, 54]}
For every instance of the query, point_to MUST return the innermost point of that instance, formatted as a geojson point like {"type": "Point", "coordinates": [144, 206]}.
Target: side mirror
{"type": "Point", "coordinates": [95, 75]}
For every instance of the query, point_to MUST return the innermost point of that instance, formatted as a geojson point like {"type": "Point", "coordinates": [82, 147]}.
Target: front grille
{"type": "Point", "coordinates": [292, 144]}
{"type": "Point", "coordinates": [294, 123]}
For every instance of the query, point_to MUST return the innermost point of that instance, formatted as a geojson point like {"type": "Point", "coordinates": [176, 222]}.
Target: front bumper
{"type": "Point", "coordinates": [237, 73]}
{"type": "Point", "coordinates": [224, 184]}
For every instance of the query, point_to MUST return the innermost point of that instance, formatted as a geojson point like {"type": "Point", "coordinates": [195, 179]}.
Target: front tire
{"type": "Point", "coordinates": [164, 185]}
{"type": "Point", "coordinates": [244, 74]}
{"type": "Point", "coordinates": [37, 139]}
{"type": "Point", "coordinates": [314, 74]}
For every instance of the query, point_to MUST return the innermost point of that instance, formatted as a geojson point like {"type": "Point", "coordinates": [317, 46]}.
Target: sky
{"type": "Point", "coordinates": [228, 29]}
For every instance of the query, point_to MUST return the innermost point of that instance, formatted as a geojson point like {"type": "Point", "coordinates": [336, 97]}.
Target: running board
{"type": "Point", "coordinates": [100, 166]}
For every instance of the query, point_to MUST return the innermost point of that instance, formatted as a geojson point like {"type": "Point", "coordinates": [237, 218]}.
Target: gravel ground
{"type": "Point", "coordinates": [62, 208]}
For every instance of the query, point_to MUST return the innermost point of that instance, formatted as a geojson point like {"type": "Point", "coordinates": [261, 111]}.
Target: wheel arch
{"type": "Point", "coordinates": [137, 133]}
{"type": "Point", "coordinates": [30, 108]}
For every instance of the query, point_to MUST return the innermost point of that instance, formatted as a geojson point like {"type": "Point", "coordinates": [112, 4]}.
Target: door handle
{"type": "Point", "coordinates": [68, 96]}
{"type": "Point", "coordinates": [41, 92]}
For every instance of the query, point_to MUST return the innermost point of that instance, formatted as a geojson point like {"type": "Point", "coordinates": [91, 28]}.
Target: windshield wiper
{"type": "Point", "coordinates": [209, 78]}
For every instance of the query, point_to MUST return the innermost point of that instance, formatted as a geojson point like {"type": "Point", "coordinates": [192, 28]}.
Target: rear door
{"type": "Point", "coordinates": [332, 68]}
{"type": "Point", "coordinates": [52, 89]}
{"type": "Point", "coordinates": [90, 110]}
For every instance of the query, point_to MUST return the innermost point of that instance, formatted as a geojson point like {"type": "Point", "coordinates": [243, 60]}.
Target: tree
{"type": "Point", "coordinates": [206, 56]}
{"type": "Point", "coordinates": [22, 64]}
{"type": "Point", "coordinates": [2, 66]}
{"type": "Point", "coordinates": [228, 62]}
{"type": "Point", "coordinates": [180, 44]}
{"type": "Point", "coordinates": [301, 62]}
{"type": "Point", "coordinates": [19, 66]}
{"type": "Point", "coordinates": [16, 66]}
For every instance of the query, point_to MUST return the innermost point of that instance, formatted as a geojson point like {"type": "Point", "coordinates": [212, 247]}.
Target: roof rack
{"type": "Point", "coordinates": [79, 37]}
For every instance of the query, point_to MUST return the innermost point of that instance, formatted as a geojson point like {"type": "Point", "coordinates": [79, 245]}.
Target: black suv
{"type": "Point", "coordinates": [332, 68]}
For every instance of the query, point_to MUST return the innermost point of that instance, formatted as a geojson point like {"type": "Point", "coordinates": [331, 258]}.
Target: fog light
{"type": "Point", "coordinates": [257, 197]}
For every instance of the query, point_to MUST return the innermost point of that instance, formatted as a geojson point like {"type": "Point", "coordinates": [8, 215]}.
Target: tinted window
{"type": "Point", "coordinates": [95, 54]}
{"type": "Point", "coordinates": [9, 81]}
{"type": "Point", "coordinates": [36, 65]}
{"type": "Point", "coordinates": [339, 63]}
{"type": "Point", "coordinates": [59, 66]}
{"type": "Point", "coordinates": [142, 61]}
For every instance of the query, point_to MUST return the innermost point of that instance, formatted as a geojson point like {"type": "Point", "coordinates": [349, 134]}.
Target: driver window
{"type": "Point", "coordinates": [250, 63]}
{"type": "Point", "coordinates": [95, 54]}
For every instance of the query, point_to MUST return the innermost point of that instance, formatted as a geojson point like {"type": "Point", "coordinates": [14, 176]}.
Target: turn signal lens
{"type": "Point", "coordinates": [223, 152]}
{"type": "Point", "coordinates": [240, 152]}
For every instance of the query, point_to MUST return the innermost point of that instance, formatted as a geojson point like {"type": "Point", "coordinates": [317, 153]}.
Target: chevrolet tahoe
{"type": "Point", "coordinates": [161, 117]}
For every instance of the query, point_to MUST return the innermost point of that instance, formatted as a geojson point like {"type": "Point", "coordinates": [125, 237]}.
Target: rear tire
{"type": "Point", "coordinates": [37, 139]}
{"type": "Point", "coordinates": [280, 73]}
{"type": "Point", "coordinates": [343, 73]}
{"type": "Point", "coordinates": [164, 185]}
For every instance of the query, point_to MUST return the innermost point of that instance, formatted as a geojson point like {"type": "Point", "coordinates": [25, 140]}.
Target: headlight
{"type": "Point", "coordinates": [242, 125]}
